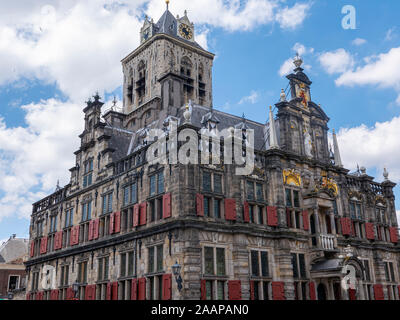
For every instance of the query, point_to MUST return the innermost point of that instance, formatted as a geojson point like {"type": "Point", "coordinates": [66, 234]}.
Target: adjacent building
{"type": "Point", "coordinates": [126, 228]}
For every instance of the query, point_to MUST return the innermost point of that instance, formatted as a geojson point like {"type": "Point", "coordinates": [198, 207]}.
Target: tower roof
{"type": "Point", "coordinates": [167, 24]}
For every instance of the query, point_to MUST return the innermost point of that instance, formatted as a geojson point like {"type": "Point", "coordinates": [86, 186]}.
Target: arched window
{"type": "Point", "coordinates": [188, 83]}
{"type": "Point", "coordinates": [202, 85]}
{"type": "Point", "coordinates": [141, 82]}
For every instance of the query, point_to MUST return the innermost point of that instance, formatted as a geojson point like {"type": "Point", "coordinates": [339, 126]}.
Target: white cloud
{"type": "Point", "coordinates": [381, 70]}
{"type": "Point", "coordinates": [377, 147]}
{"type": "Point", "coordinates": [390, 34]}
{"type": "Point", "coordinates": [359, 42]}
{"type": "Point", "coordinates": [252, 98]}
{"type": "Point", "coordinates": [33, 158]}
{"type": "Point", "coordinates": [288, 66]}
{"type": "Point", "coordinates": [337, 61]}
{"type": "Point", "coordinates": [291, 18]}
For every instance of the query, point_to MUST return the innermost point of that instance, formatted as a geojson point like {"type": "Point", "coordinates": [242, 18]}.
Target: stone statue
{"type": "Point", "coordinates": [308, 143]}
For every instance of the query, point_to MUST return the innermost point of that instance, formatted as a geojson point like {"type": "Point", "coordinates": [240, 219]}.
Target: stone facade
{"type": "Point", "coordinates": [286, 231]}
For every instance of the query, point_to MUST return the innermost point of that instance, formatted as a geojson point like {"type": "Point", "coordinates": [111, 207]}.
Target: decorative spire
{"type": "Point", "coordinates": [167, 2]}
{"type": "Point", "coordinates": [114, 106]}
{"type": "Point", "coordinates": [273, 141]}
{"type": "Point", "coordinates": [338, 159]}
{"type": "Point", "coordinates": [297, 61]}
{"type": "Point", "coordinates": [386, 174]}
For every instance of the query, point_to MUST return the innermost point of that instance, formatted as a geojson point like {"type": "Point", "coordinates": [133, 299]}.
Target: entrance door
{"type": "Point", "coordinates": [312, 226]}
{"type": "Point", "coordinates": [337, 290]}
{"type": "Point", "coordinates": [321, 290]}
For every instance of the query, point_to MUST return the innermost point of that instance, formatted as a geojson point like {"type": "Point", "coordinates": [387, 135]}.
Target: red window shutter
{"type": "Point", "coordinates": [167, 206]}
{"type": "Point", "coordinates": [134, 289]}
{"type": "Point", "coordinates": [136, 210]}
{"type": "Point", "coordinates": [43, 245]}
{"type": "Point", "coordinates": [278, 291]}
{"type": "Point", "coordinates": [200, 205]}
{"type": "Point", "coordinates": [252, 287]}
{"type": "Point", "coordinates": [71, 236]}
{"type": "Point", "coordinates": [235, 290]}
{"type": "Point", "coordinates": [77, 234]}
{"type": "Point", "coordinates": [142, 289]}
{"type": "Point", "coordinates": [115, 291]}
{"type": "Point", "coordinates": [346, 226]}
{"type": "Point", "coordinates": [378, 292]}
{"type": "Point", "coordinates": [246, 210]}
{"type": "Point", "coordinates": [230, 209]}
{"type": "Point", "coordinates": [394, 234]}
{"type": "Point", "coordinates": [54, 294]}
{"type": "Point", "coordinates": [399, 290]}
{"type": "Point", "coordinates": [88, 292]}
{"type": "Point", "coordinates": [32, 251]}
{"type": "Point", "coordinates": [313, 295]}
{"type": "Point", "coordinates": [111, 231]}
{"type": "Point", "coordinates": [167, 290]}
{"type": "Point", "coordinates": [143, 214]}
{"type": "Point", "coordinates": [306, 221]}
{"type": "Point", "coordinates": [56, 241]}
{"type": "Point", "coordinates": [117, 222]}
{"type": "Point", "coordinates": [74, 237]}
{"type": "Point", "coordinates": [352, 294]}
{"type": "Point", "coordinates": [369, 231]}
{"type": "Point", "coordinates": [91, 229]}
{"type": "Point", "coordinates": [96, 229]}
{"type": "Point", "coordinates": [28, 296]}
{"type": "Point", "coordinates": [272, 216]}
{"type": "Point", "coordinates": [203, 293]}
{"type": "Point", "coordinates": [108, 292]}
{"type": "Point", "coordinates": [70, 294]}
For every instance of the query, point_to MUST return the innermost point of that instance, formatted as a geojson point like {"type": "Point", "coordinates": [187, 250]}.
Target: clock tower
{"type": "Point", "coordinates": [168, 69]}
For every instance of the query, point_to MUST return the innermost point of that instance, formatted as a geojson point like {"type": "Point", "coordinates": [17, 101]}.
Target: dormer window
{"type": "Point", "coordinates": [88, 172]}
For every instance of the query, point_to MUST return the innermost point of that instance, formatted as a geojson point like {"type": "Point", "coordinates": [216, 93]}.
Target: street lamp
{"type": "Point", "coordinates": [75, 288]}
{"type": "Point", "coordinates": [176, 270]}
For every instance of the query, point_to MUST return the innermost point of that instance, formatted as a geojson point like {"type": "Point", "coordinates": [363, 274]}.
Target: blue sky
{"type": "Point", "coordinates": [55, 54]}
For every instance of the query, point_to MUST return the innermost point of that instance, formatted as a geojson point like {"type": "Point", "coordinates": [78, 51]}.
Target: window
{"type": "Point", "coordinates": [157, 183]}
{"type": "Point", "coordinates": [103, 267]}
{"type": "Point", "coordinates": [217, 183]}
{"type": "Point", "coordinates": [207, 181]}
{"type": "Point", "coordinates": [292, 198]}
{"type": "Point", "coordinates": [107, 203]}
{"type": "Point", "coordinates": [293, 211]}
{"type": "Point", "coordinates": [259, 263]}
{"type": "Point", "coordinates": [299, 266]}
{"type": "Point", "coordinates": [82, 272]}
{"type": "Point", "coordinates": [259, 192]}
{"type": "Point", "coordinates": [250, 190]}
{"type": "Point", "coordinates": [53, 223]}
{"type": "Point", "coordinates": [88, 171]}
{"type": "Point", "coordinates": [86, 211]}
{"type": "Point", "coordinates": [206, 206]}
{"type": "Point", "coordinates": [217, 208]}
{"type": "Point", "coordinates": [69, 217]}
{"type": "Point", "coordinates": [215, 290]}
{"type": "Point", "coordinates": [214, 261]}
{"type": "Point", "coordinates": [35, 280]}
{"type": "Point", "coordinates": [127, 264]}
{"type": "Point", "coordinates": [381, 214]}
{"type": "Point", "coordinates": [130, 194]}
{"type": "Point", "coordinates": [355, 210]}
{"type": "Point", "coordinates": [13, 283]}
{"type": "Point", "coordinates": [155, 256]}
{"type": "Point", "coordinates": [261, 290]}
{"type": "Point", "coordinates": [64, 276]}
{"type": "Point", "coordinates": [389, 272]}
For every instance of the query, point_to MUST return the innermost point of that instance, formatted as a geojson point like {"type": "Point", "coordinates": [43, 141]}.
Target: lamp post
{"type": "Point", "coordinates": [176, 270]}
{"type": "Point", "coordinates": [75, 288]}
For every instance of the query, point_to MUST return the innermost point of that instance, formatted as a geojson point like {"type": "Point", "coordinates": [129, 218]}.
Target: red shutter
{"type": "Point", "coordinates": [167, 206]}
{"type": "Point", "coordinates": [246, 212]}
{"type": "Point", "coordinates": [74, 236]}
{"type": "Point", "coordinates": [91, 229]}
{"type": "Point", "coordinates": [56, 241]}
{"type": "Point", "coordinates": [200, 205]}
{"type": "Point", "coordinates": [394, 234]}
{"type": "Point", "coordinates": [136, 210]}
{"type": "Point", "coordinates": [111, 231]}
{"type": "Point", "coordinates": [278, 291]}
{"type": "Point", "coordinates": [352, 294]}
{"type": "Point", "coordinates": [230, 209]}
{"type": "Point", "coordinates": [203, 290]}
{"type": "Point", "coordinates": [272, 216]}
{"type": "Point", "coordinates": [28, 296]}
{"type": "Point", "coordinates": [54, 294]}
{"type": "Point", "coordinates": [43, 245]}
{"type": "Point", "coordinates": [252, 287]}
{"type": "Point", "coordinates": [142, 289]}
{"type": "Point", "coordinates": [117, 222]}
{"type": "Point", "coordinates": [115, 291]}
{"type": "Point", "coordinates": [167, 283]}
{"type": "Point", "coordinates": [346, 226]}
{"type": "Point", "coordinates": [108, 292]}
{"type": "Point", "coordinates": [378, 292]}
{"type": "Point", "coordinates": [90, 292]}
{"type": "Point", "coordinates": [398, 287]}
{"type": "Point", "coordinates": [96, 229]}
{"type": "Point", "coordinates": [134, 289]}
{"type": "Point", "coordinates": [306, 221]}
{"type": "Point", "coordinates": [70, 294]}
{"type": "Point", "coordinates": [32, 252]}
{"type": "Point", "coordinates": [143, 214]}
{"type": "Point", "coordinates": [313, 295]}
{"type": "Point", "coordinates": [235, 290]}
{"type": "Point", "coordinates": [369, 231]}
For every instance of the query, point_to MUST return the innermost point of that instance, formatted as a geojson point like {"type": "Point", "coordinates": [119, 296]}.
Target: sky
{"type": "Point", "coordinates": [55, 54]}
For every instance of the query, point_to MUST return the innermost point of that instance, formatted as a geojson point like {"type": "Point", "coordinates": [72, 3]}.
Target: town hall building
{"type": "Point", "coordinates": [298, 226]}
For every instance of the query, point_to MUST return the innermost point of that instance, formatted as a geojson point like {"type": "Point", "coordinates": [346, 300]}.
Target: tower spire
{"type": "Point", "coordinates": [273, 141]}
{"type": "Point", "coordinates": [167, 2]}
{"type": "Point", "coordinates": [338, 159]}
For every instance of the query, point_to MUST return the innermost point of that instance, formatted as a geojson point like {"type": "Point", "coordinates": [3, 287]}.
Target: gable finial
{"type": "Point", "coordinates": [167, 2]}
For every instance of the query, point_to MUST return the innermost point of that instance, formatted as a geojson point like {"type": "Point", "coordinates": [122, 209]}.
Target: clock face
{"type": "Point", "coordinates": [185, 31]}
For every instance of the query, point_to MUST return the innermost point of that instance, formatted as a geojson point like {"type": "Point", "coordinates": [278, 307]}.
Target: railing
{"type": "Point", "coordinates": [327, 242]}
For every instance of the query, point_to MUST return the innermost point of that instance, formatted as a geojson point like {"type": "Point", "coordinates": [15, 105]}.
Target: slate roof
{"type": "Point", "coordinates": [119, 141]}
